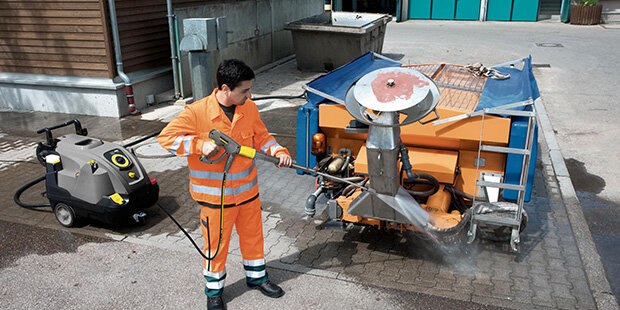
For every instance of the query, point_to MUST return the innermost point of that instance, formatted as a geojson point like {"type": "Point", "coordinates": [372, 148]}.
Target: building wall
{"type": "Point", "coordinates": [256, 32]}
{"type": "Point", "coordinates": [54, 37]}
{"type": "Point", "coordinates": [143, 31]}
{"type": "Point", "coordinates": [57, 55]}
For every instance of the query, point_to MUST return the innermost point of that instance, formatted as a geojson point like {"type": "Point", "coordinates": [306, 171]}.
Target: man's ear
{"type": "Point", "coordinates": [225, 88]}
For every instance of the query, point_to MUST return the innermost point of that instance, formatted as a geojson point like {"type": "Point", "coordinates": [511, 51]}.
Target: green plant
{"type": "Point", "coordinates": [586, 2]}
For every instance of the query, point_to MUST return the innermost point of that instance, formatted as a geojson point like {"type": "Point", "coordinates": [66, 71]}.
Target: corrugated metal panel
{"type": "Point", "coordinates": [56, 37]}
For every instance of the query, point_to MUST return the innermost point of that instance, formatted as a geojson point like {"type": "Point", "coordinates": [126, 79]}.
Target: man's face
{"type": "Point", "coordinates": [240, 94]}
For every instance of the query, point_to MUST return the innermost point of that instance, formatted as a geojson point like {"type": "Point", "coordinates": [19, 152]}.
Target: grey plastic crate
{"type": "Point", "coordinates": [329, 40]}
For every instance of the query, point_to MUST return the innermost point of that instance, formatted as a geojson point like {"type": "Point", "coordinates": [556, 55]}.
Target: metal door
{"type": "Point", "coordinates": [525, 10]}
{"type": "Point", "coordinates": [443, 9]}
{"type": "Point", "coordinates": [499, 10]}
{"type": "Point", "coordinates": [419, 9]}
{"type": "Point", "coordinates": [467, 9]}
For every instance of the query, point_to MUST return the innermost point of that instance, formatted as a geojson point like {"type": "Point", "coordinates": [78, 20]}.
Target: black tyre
{"type": "Point", "coordinates": [65, 214]}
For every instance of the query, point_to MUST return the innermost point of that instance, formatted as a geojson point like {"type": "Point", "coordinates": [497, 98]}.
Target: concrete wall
{"type": "Point", "coordinates": [256, 30]}
{"type": "Point", "coordinates": [79, 95]}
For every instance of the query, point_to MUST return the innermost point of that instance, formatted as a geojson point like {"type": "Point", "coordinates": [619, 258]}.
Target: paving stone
{"type": "Point", "coordinates": [566, 303]}
{"type": "Point", "coordinates": [585, 301]}
{"type": "Point", "coordinates": [542, 297]}
{"type": "Point", "coordinates": [561, 290]}
{"type": "Point", "coordinates": [560, 277]}
{"type": "Point", "coordinates": [502, 302]}
{"type": "Point", "coordinates": [501, 274]}
{"type": "Point", "coordinates": [501, 288]}
{"type": "Point", "coordinates": [522, 296]}
{"type": "Point", "coordinates": [483, 289]}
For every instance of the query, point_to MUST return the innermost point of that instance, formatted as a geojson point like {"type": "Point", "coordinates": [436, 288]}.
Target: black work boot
{"type": "Point", "coordinates": [268, 289]}
{"type": "Point", "coordinates": [215, 303]}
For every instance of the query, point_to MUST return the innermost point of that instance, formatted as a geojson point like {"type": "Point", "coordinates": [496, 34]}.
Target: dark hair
{"type": "Point", "coordinates": [232, 72]}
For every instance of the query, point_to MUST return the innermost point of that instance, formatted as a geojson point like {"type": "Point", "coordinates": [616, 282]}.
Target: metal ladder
{"type": "Point", "coordinates": [496, 220]}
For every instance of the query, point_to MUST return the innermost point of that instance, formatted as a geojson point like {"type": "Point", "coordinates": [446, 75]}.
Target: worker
{"type": "Point", "coordinates": [229, 110]}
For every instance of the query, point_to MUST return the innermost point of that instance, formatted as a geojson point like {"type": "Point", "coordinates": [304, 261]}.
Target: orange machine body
{"type": "Point", "coordinates": [447, 152]}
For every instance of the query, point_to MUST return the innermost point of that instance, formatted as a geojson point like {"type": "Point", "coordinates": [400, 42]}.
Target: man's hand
{"type": "Point", "coordinates": [209, 148]}
{"type": "Point", "coordinates": [285, 160]}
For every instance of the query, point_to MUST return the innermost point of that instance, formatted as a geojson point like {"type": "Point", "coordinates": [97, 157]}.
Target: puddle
{"type": "Point", "coordinates": [20, 240]}
{"type": "Point", "coordinates": [582, 179]}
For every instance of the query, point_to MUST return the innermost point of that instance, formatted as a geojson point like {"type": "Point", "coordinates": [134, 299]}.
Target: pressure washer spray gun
{"type": "Point", "coordinates": [232, 148]}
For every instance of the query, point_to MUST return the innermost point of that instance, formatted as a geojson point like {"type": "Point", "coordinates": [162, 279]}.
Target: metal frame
{"type": "Point", "coordinates": [514, 223]}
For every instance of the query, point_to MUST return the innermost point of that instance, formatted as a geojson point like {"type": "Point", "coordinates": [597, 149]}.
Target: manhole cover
{"type": "Point", "coordinates": [549, 45]}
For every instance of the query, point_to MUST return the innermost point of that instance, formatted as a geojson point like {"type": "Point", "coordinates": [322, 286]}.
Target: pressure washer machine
{"type": "Point", "coordinates": [88, 178]}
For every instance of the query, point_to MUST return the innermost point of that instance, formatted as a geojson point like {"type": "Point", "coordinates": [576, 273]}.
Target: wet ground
{"type": "Point", "coordinates": [19, 240]}
{"type": "Point", "coordinates": [547, 273]}
{"type": "Point", "coordinates": [603, 217]}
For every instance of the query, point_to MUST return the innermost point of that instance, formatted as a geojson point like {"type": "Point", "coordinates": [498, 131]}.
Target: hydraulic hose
{"type": "Point", "coordinates": [429, 180]}
{"type": "Point", "coordinates": [24, 188]}
{"type": "Point", "coordinates": [404, 158]}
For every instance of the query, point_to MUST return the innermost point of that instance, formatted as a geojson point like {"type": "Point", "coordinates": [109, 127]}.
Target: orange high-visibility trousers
{"type": "Point", "coordinates": [247, 219]}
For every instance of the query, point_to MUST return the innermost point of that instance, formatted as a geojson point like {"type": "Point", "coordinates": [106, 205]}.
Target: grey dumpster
{"type": "Point", "coordinates": [329, 40]}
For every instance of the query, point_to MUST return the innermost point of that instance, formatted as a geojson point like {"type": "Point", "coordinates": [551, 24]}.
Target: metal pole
{"type": "Point", "coordinates": [483, 10]}
{"type": "Point", "coordinates": [173, 49]}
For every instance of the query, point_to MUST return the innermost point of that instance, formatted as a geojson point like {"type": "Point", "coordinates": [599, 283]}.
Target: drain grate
{"type": "Point", "coordinates": [549, 45]}
{"type": "Point", "coordinates": [541, 65]}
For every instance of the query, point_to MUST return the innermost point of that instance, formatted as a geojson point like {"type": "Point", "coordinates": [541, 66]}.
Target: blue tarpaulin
{"type": "Point", "coordinates": [520, 86]}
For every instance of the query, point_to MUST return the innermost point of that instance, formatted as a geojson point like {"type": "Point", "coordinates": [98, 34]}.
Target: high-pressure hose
{"type": "Point", "coordinates": [21, 190]}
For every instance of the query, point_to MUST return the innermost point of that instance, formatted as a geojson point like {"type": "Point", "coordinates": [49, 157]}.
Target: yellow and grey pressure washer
{"type": "Point", "coordinates": [88, 178]}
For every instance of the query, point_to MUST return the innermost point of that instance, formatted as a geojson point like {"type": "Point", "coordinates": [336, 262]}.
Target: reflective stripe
{"type": "Point", "coordinates": [215, 285]}
{"type": "Point", "coordinates": [254, 263]}
{"type": "Point", "coordinates": [266, 146]}
{"type": "Point", "coordinates": [219, 175]}
{"type": "Point", "coordinates": [273, 149]}
{"type": "Point", "coordinates": [175, 145]}
{"type": "Point", "coordinates": [216, 191]}
{"type": "Point", "coordinates": [255, 274]}
{"type": "Point", "coordinates": [187, 142]}
{"type": "Point", "coordinates": [217, 275]}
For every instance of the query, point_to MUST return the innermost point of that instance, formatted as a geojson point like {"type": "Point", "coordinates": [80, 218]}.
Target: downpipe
{"type": "Point", "coordinates": [119, 60]}
{"type": "Point", "coordinates": [173, 48]}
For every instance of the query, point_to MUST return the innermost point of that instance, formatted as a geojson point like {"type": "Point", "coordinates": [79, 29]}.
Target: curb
{"type": "Point", "coordinates": [601, 290]}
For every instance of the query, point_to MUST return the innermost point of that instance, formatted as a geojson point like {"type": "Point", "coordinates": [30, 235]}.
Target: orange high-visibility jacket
{"type": "Point", "coordinates": [186, 134]}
